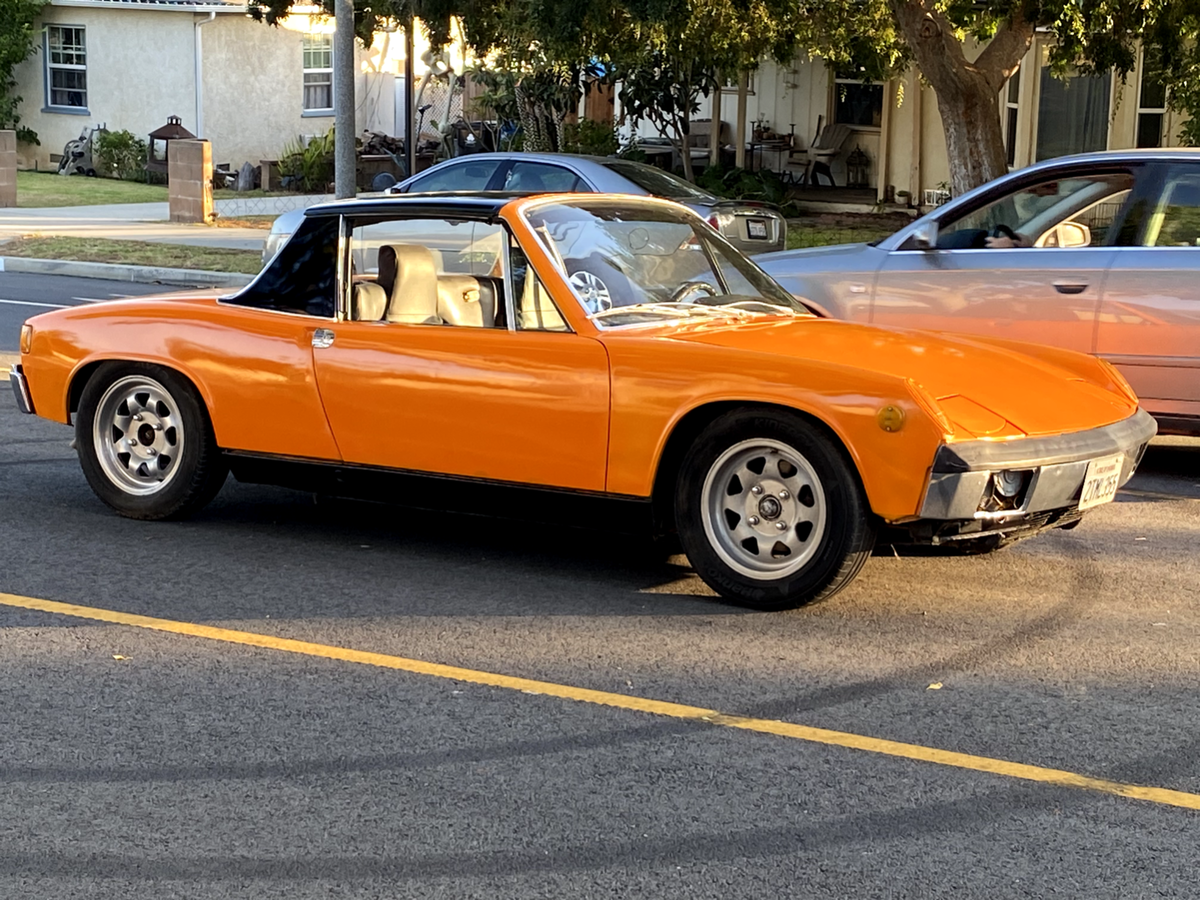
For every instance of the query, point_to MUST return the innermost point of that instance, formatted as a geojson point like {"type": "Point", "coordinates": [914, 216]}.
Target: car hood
{"type": "Point", "coordinates": [985, 390]}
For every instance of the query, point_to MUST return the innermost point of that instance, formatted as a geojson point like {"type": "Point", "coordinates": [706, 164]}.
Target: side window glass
{"type": "Point", "coordinates": [1088, 227]}
{"type": "Point", "coordinates": [468, 176]}
{"type": "Point", "coordinates": [302, 277]}
{"type": "Point", "coordinates": [1066, 212]}
{"type": "Point", "coordinates": [1175, 221]}
{"type": "Point", "coordinates": [539, 177]}
{"type": "Point", "coordinates": [428, 272]}
{"type": "Point", "coordinates": [536, 310]}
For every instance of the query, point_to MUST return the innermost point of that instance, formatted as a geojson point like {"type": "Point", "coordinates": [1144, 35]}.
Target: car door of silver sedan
{"type": "Point", "coordinates": [1149, 323]}
{"type": "Point", "coordinates": [1044, 295]}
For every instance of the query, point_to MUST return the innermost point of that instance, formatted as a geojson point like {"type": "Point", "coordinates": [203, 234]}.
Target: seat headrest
{"type": "Point", "coordinates": [414, 297]}
{"type": "Point", "coordinates": [369, 302]}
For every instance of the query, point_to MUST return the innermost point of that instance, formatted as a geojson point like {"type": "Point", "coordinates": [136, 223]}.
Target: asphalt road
{"type": "Point", "coordinates": [22, 296]}
{"type": "Point", "coordinates": [138, 764]}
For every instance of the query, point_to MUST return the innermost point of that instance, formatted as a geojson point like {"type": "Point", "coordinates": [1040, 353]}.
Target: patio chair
{"type": "Point", "coordinates": [700, 139]}
{"type": "Point", "coordinates": [825, 148]}
{"type": "Point", "coordinates": [796, 166]}
{"type": "Point", "coordinates": [815, 161]}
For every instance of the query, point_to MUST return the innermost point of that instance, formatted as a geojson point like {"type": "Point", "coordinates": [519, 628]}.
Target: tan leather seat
{"type": "Point", "coordinates": [538, 312]}
{"type": "Point", "coordinates": [414, 298]}
{"type": "Point", "coordinates": [369, 302]}
{"type": "Point", "coordinates": [461, 301]}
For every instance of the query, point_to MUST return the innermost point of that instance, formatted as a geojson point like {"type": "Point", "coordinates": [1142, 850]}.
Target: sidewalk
{"type": "Point", "coordinates": [124, 222]}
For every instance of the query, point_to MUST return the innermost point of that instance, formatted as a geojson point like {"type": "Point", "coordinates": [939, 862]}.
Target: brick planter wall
{"type": "Point", "coordinates": [189, 181]}
{"type": "Point", "coordinates": [8, 168]}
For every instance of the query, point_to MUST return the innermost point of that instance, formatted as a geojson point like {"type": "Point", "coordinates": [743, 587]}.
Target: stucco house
{"type": "Point", "coordinates": [899, 128]}
{"type": "Point", "coordinates": [247, 87]}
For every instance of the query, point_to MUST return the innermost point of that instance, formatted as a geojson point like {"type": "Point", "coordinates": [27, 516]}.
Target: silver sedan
{"type": "Point", "coordinates": [1098, 253]}
{"type": "Point", "coordinates": [750, 226]}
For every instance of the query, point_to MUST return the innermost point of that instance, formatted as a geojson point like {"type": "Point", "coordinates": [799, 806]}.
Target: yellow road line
{"type": "Point", "coordinates": [1057, 777]}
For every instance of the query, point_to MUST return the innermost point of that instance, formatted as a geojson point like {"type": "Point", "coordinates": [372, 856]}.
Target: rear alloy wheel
{"type": "Point", "coordinates": [145, 442]}
{"type": "Point", "coordinates": [599, 284]}
{"type": "Point", "coordinates": [770, 513]}
{"type": "Point", "coordinates": [592, 290]}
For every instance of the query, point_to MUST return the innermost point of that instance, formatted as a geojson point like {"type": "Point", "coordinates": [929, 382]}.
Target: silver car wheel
{"type": "Point", "coordinates": [592, 291]}
{"type": "Point", "coordinates": [138, 435]}
{"type": "Point", "coordinates": [763, 509]}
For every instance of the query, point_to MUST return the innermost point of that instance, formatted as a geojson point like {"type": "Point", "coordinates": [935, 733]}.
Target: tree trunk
{"type": "Point", "coordinates": [685, 141]}
{"type": "Point", "coordinates": [974, 140]}
{"type": "Point", "coordinates": [967, 92]}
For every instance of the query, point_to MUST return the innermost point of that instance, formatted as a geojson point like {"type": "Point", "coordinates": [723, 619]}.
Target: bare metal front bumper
{"type": "Point", "coordinates": [959, 480]}
{"type": "Point", "coordinates": [20, 386]}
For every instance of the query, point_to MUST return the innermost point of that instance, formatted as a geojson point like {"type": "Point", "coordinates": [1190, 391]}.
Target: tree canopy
{"type": "Point", "coordinates": [1090, 36]}
{"type": "Point", "coordinates": [16, 43]}
{"type": "Point", "coordinates": [672, 49]}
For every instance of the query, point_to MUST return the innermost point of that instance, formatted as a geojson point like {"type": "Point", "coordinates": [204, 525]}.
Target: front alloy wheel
{"type": "Point", "coordinates": [770, 511]}
{"type": "Point", "coordinates": [763, 508]}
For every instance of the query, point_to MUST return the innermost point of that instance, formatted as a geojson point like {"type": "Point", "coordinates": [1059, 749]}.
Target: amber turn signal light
{"type": "Point", "coordinates": [26, 337]}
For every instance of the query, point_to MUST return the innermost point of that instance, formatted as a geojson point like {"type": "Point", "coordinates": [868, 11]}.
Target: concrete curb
{"type": "Point", "coordinates": [115, 272]}
{"type": "Point", "coordinates": [7, 361]}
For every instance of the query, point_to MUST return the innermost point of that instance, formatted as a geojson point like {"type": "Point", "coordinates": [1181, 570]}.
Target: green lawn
{"type": "Point", "coordinates": [37, 189]}
{"type": "Point", "coordinates": [135, 253]}
{"type": "Point", "coordinates": [823, 230]}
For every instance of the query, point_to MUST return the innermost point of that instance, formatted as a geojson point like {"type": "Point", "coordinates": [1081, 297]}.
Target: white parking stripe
{"type": "Point", "coordinates": [31, 303]}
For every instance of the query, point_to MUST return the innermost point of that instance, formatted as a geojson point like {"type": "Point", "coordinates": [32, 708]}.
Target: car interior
{"type": "Point", "coordinates": [457, 283]}
{"type": "Point", "coordinates": [1176, 220]}
{"type": "Point", "coordinates": [1073, 212]}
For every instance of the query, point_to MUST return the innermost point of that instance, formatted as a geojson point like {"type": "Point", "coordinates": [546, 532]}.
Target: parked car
{"type": "Point", "coordinates": [1097, 253]}
{"type": "Point", "coordinates": [442, 340]}
{"type": "Point", "coordinates": [750, 226]}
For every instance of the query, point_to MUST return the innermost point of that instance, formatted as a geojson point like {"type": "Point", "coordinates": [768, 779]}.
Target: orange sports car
{"type": "Point", "coordinates": [599, 346]}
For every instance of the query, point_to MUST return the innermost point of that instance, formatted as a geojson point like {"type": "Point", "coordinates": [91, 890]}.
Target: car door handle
{"type": "Point", "coordinates": [1070, 287]}
{"type": "Point", "coordinates": [322, 338]}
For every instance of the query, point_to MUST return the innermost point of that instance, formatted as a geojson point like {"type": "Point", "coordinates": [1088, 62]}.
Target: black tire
{"type": "Point", "coordinates": [176, 418]}
{"type": "Point", "coordinates": [820, 559]}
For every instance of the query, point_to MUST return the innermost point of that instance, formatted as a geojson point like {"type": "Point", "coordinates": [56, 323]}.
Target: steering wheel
{"type": "Point", "coordinates": [1002, 230]}
{"type": "Point", "coordinates": [692, 287]}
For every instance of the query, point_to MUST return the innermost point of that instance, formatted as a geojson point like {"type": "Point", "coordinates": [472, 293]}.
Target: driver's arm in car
{"type": "Point", "coordinates": [1004, 242]}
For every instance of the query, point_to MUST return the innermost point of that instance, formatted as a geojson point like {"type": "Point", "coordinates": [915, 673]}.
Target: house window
{"type": "Point", "coordinates": [66, 67]}
{"type": "Point", "coordinates": [318, 73]}
{"type": "Point", "coordinates": [1072, 114]}
{"type": "Point", "coordinates": [1011, 96]}
{"type": "Point", "coordinates": [856, 102]}
{"type": "Point", "coordinates": [1152, 106]}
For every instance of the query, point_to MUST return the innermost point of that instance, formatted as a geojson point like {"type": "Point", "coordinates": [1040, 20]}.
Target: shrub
{"type": "Point", "coordinates": [590, 138]}
{"type": "Point", "coordinates": [308, 166]}
{"type": "Point", "coordinates": [740, 184]}
{"type": "Point", "coordinates": [119, 154]}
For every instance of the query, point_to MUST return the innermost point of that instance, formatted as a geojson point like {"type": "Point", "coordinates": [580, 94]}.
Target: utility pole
{"type": "Point", "coordinates": [343, 100]}
{"type": "Point", "coordinates": [410, 139]}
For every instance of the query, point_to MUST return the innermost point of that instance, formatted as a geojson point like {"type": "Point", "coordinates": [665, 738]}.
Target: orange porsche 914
{"type": "Point", "coordinates": [604, 346]}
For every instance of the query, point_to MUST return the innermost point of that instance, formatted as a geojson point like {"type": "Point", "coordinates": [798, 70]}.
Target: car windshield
{"type": "Point", "coordinates": [659, 183]}
{"type": "Point", "coordinates": [631, 263]}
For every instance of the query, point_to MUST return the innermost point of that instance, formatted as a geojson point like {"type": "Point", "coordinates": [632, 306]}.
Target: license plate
{"type": "Point", "coordinates": [1101, 481]}
{"type": "Point", "coordinates": [757, 229]}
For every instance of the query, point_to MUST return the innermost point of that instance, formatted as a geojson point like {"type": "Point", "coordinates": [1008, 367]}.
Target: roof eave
{"type": "Point", "coordinates": [177, 6]}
